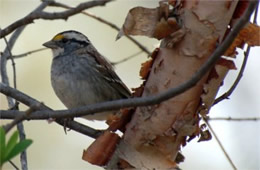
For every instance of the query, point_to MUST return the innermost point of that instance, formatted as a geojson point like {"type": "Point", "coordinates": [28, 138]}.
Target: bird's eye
{"type": "Point", "coordinates": [64, 40]}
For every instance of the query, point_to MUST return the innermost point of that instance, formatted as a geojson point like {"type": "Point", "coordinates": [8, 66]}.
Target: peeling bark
{"type": "Point", "coordinates": [155, 134]}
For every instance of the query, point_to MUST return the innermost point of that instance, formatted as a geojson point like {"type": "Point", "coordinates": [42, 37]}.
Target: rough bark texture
{"type": "Point", "coordinates": [155, 133]}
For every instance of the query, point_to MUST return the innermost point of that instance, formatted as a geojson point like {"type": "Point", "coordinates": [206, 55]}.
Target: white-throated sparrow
{"type": "Point", "coordinates": [80, 75]}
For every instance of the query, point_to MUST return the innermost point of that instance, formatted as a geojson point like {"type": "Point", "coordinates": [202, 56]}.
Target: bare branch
{"type": "Point", "coordinates": [15, 167]}
{"type": "Point", "coordinates": [141, 101]}
{"type": "Point", "coordinates": [235, 119]}
{"type": "Point", "coordinates": [72, 124]}
{"type": "Point", "coordinates": [29, 101]}
{"type": "Point", "coordinates": [220, 144]}
{"type": "Point", "coordinates": [78, 127]}
{"type": "Point", "coordinates": [3, 62]}
{"type": "Point", "coordinates": [14, 105]}
{"type": "Point", "coordinates": [126, 59]}
{"type": "Point", "coordinates": [19, 118]}
{"type": "Point", "coordinates": [139, 45]}
{"type": "Point", "coordinates": [256, 13]}
{"type": "Point", "coordinates": [13, 63]}
{"type": "Point", "coordinates": [27, 53]}
{"type": "Point", "coordinates": [243, 66]}
{"type": "Point", "coordinates": [239, 76]}
{"type": "Point", "coordinates": [11, 43]}
{"type": "Point", "coordinates": [11, 103]}
{"type": "Point", "coordinates": [50, 16]}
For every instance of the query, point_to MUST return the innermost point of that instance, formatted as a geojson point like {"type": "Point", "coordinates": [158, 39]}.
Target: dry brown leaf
{"type": "Point", "coordinates": [100, 151]}
{"type": "Point", "coordinates": [249, 34]}
{"type": "Point", "coordinates": [151, 22]}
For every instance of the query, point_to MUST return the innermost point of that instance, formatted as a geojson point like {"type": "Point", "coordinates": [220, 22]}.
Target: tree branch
{"type": "Point", "coordinates": [15, 167]}
{"type": "Point", "coordinates": [221, 145]}
{"type": "Point", "coordinates": [126, 59]}
{"type": "Point", "coordinates": [12, 60]}
{"type": "Point", "coordinates": [21, 24]}
{"type": "Point", "coordinates": [235, 119]}
{"type": "Point", "coordinates": [50, 16]}
{"type": "Point", "coordinates": [27, 53]}
{"type": "Point", "coordinates": [239, 76]}
{"type": "Point", "coordinates": [29, 101]}
{"type": "Point", "coordinates": [139, 45]}
{"type": "Point", "coordinates": [19, 118]}
{"type": "Point", "coordinates": [141, 101]}
{"type": "Point", "coordinates": [243, 66]}
{"type": "Point", "coordinates": [11, 103]}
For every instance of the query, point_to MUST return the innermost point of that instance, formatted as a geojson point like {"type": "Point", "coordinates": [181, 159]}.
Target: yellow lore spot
{"type": "Point", "coordinates": [58, 37]}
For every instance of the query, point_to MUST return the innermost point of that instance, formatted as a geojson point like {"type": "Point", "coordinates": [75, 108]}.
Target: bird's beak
{"type": "Point", "coordinates": [50, 44]}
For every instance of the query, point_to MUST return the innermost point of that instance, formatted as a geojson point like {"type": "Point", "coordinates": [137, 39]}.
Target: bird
{"type": "Point", "coordinates": [81, 76]}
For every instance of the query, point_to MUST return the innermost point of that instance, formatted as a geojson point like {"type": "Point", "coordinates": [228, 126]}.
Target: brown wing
{"type": "Point", "coordinates": [108, 72]}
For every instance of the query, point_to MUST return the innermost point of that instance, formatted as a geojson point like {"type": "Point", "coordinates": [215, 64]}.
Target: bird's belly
{"type": "Point", "coordinates": [78, 93]}
{"type": "Point", "coordinates": [74, 93]}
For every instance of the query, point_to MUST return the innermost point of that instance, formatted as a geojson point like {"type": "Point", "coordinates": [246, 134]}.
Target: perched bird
{"type": "Point", "coordinates": [80, 75]}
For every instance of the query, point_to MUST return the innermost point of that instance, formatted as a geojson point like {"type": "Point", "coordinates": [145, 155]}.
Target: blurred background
{"type": "Point", "coordinates": [53, 149]}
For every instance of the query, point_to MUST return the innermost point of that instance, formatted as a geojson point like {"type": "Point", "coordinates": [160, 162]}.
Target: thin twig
{"type": "Point", "coordinates": [140, 101]}
{"type": "Point", "coordinates": [81, 128]}
{"type": "Point", "coordinates": [235, 119]}
{"type": "Point", "coordinates": [27, 53]}
{"type": "Point", "coordinates": [3, 62]}
{"type": "Point", "coordinates": [239, 76]}
{"type": "Point", "coordinates": [15, 106]}
{"type": "Point", "coordinates": [243, 66]}
{"type": "Point", "coordinates": [15, 167]}
{"type": "Point", "coordinates": [220, 144]}
{"type": "Point", "coordinates": [13, 63]}
{"type": "Point", "coordinates": [72, 124]}
{"type": "Point", "coordinates": [29, 101]}
{"type": "Point", "coordinates": [126, 59]}
{"type": "Point", "coordinates": [139, 45]}
{"type": "Point", "coordinates": [11, 103]}
{"type": "Point", "coordinates": [20, 118]}
{"type": "Point", "coordinates": [50, 16]}
{"type": "Point", "coordinates": [256, 13]}
{"type": "Point", "coordinates": [227, 94]}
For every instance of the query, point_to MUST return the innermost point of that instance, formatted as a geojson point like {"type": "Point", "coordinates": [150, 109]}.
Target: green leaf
{"type": "Point", "coordinates": [11, 143]}
{"type": "Point", "coordinates": [2, 144]}
{"type": "Point", "coordinates": [21, 146]}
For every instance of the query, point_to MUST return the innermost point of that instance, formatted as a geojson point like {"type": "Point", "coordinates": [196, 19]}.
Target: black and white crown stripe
{"type": "Point", "coordinates": [75, 36]}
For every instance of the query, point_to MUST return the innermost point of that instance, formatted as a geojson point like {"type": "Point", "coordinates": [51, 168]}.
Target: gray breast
{"type": "Point", "coordinates": [76, 82]}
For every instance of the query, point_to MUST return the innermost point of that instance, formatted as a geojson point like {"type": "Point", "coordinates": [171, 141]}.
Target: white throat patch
{"type": "Point", "coordinates": [57, 51]}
